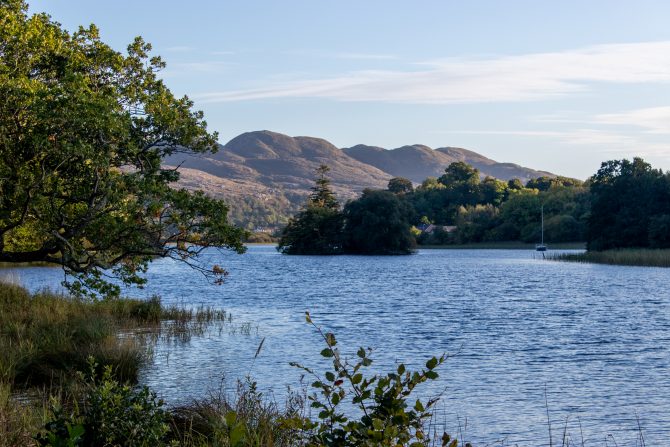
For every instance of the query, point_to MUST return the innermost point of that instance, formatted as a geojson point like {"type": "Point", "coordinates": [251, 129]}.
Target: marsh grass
{"type": "Point", "coordinates": [243, 418]}
{"type": "Point", "coordinates": [46, 337]}
{"type": "Point", "coordinates": [643, 257]}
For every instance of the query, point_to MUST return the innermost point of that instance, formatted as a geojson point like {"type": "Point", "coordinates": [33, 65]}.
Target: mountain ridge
{"type": "Point", "coordinates": [266, 175]}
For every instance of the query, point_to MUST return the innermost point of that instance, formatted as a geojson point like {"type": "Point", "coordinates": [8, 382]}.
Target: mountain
{"type": "Point", "coordinates": [265, 176]}
{"type": "Point", "coordinates": [417, 162]}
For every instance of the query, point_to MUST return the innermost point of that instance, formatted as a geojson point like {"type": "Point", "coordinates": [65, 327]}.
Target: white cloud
{"type": "Point", "coordinates": [605, 141]}
{"type": "Point", "coordinates": [652, 119]}
{"type": "Point", "coordinates": [527, 77]}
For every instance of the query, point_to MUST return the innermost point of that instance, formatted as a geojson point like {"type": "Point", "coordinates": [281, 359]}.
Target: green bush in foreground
{"type": "Point", "coordinates": [388, 417]}
{"type": "Point", "coordinates": [111, 414]}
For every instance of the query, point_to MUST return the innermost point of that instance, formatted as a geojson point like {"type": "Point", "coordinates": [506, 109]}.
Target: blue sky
{"type": "Point", "coordinates": [558, 86]}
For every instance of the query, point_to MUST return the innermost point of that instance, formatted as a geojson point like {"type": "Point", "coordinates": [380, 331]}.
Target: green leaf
{"type": "Point", "coordinates": [432, 375]}
{"type": "Point", "coordinates": [432, 363]}
{"type": "Point", "coordinates": [327, 352]}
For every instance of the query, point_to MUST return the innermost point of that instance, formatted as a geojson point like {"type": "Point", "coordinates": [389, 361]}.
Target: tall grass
{"type": "Point", "coordinates": [46, 337]}
{"type": "Point", "coordinates": [243, 418]}
{"type": "Point", "coordinates": [643, 257]}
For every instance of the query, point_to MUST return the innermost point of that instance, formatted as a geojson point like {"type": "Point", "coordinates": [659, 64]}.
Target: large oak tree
{"type": "Point", "coordinates": [83, 129]}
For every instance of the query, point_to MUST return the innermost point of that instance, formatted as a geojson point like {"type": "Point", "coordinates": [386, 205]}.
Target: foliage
{"type": "Point", "coordinates": [378, 223]}
{"type": "Point", "coordinates": [400, 185]}
{"type": "Point", "coordinates": [388, 222]}
{"type": "Point", "coordinates": [475, 223]}
{"type": "Point", "coordinates": [322, 195]}
{"type": "Point", "coordinates": [111, 414]}
{"type": "Point", "coordinates": [545, 183]}
{"type": "Point", "coordinates": [388, 415]}
{"type": "Point", "coordinates": [313, 231]}
{"type": "Point", "coordinates": [493, 210]}
{"type": "Point", "coordinates": [317, 229]}
{"type": "Point", "coordinates": [246, 419]}
{"type": "Point", "coordinates": [83, 129]}
{"type": "Point", "coordinates": [629, 202]}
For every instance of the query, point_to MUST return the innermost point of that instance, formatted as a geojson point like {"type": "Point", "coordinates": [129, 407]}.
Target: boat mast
{"type": "Point", "coordinates": [542, 231]}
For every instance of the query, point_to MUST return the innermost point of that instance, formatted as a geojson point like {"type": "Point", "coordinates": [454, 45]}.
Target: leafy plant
{"type": "Point", "coordinates": [111, 414]}
{"type": "Point", "coordinates": [388, 416]}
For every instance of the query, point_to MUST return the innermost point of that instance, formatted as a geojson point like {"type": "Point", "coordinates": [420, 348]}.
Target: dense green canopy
{"type": "Point", "coordinates": [630, 206]}
{"type": "Point", "coordinates": [83, 129]}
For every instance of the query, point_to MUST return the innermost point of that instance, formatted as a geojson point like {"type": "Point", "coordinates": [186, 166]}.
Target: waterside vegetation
{"type": "Point", "coordinates": [642, 257]}
{"type": "Point", "coordinates": [69, 372]}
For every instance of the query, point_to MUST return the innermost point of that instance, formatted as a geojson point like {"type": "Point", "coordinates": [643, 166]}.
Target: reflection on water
{"type": "Point", "coordinates": [595, 337]}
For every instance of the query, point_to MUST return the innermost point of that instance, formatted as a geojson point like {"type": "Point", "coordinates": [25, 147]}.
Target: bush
{"type": "Point", "coordinates": [388, 418]}
{"type": "Point", "coordinates": [111, 414]}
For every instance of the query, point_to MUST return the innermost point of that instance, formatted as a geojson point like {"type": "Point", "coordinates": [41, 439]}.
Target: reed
{"type": "Point", "coordinates": [643, 257]}
{"type": "Point", "coordinates": [244, 417]}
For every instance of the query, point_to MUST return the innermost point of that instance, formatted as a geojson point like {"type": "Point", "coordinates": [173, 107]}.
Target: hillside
{"type": "Point", "coordinates": [265, 176]}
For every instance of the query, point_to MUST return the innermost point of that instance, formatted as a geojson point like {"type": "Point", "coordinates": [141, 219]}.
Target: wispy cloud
{"type": "Point", "coordinates": [652, 119]}
{"type": "Point", "coordinates": [605, 141]}
{"type": "Point", "coordinates": [528, 77]}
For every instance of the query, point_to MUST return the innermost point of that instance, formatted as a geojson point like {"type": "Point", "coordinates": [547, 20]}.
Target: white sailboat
{"type": "Point", "coordinates": [541, 246]}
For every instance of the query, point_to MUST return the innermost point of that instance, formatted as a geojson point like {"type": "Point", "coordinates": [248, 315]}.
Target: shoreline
{"type": "Point", "coordinates": [505, 246]}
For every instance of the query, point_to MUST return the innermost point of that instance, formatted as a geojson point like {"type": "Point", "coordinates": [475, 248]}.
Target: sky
{"type": "Point", "coordinates": [558, 86]}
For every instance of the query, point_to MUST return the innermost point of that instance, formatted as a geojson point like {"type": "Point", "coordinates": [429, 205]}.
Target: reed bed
{"type": "Point", "coordinates": [643, 257]}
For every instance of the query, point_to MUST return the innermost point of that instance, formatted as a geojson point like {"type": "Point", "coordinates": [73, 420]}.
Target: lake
{"type": "Point", "coordinates": [592, 339]}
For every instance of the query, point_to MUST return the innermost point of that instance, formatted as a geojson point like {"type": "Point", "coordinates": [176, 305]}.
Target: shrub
{"type": "Point", "coordinates": [110, 414]}
{"type": "Point", "coordinates": [388, 418]}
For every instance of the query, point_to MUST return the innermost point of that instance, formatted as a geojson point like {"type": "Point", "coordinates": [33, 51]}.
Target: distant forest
{"type": "Point", "coordinates": [625, 204]}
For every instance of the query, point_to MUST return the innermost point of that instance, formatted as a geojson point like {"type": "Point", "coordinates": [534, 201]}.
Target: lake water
{"type": "Point", "coordinates": [594, 338]}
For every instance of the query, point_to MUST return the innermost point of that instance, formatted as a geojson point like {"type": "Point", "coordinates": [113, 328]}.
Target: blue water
{"type": "Point", "coordinates": [593, 338]}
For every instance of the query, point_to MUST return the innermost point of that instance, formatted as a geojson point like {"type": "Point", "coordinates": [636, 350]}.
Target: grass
{"type": "Point", "coordinates": [46, 338]}
{"type": "Point", "coordinates": [643, 257]}
{"type": "Point", "coordinates": [245, 416]}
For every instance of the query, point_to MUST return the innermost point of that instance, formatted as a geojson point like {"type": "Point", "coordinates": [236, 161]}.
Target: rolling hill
{"type": "Point", "coordinates": [265, 176]}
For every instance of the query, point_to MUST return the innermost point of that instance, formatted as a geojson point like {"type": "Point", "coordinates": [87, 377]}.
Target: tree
{"type": "Point", "coordinates": [459, 172]}
{"type": "Point", "coordinates": [400, 185]}
{"type": "Point", "coordinates": [83, 129]}
{"type": "Point", "coordinates": [627, 204]}
{"type": "Point", "coordinates": [317, 229]}
{"type": "Point", "coordinates": [514, 184]}
{"type": "Point", "coordinates": [378, 223]}
{"type": "Point", "coordinates": [322, 195]}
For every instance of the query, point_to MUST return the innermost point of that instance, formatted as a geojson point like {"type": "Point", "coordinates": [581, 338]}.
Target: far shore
{"type": "Point", "coordinates": [507, 245]}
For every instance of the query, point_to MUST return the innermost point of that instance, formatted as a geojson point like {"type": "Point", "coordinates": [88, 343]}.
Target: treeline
{"type": "Point", "coordinates": [491, 210]}
{"type": "Point", "coordinates": [395, 220]}
{"type": "Point", "coordinates": [625, 204]}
